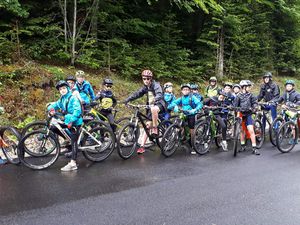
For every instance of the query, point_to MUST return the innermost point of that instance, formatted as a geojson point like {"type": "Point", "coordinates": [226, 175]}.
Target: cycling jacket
{"type": "Point", "coordinates": [86, 91]}
{"type": "Point", "coordinates": [154, 94]}
{"type": "Point", "coordinates": [268, 92]}
{"type": "Point", "coordinates": [71, 108]}
{"type": "Point", "coordinates": [293, 97]}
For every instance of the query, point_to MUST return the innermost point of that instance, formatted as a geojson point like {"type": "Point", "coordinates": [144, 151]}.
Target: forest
{"type": "Point", "coordinates": [42, 42]}
{"type": "Point", "coordinates": [178, 39]}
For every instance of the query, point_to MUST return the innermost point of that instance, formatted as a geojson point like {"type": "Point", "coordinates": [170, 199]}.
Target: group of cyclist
{"type": "Point", "coordinates": [77, 94]}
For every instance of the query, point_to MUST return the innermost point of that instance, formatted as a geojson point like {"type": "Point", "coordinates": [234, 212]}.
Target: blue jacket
{"type": "Point", "coordinates": [86, 91]}
{"type": "Point", "coordinates": [169, 98]}
{"type": "Point", "coordinates": [73, 112]}
{"type": "Point", "coordinates": [187, 103]}
{"type": "Point", "coordinates": [199, 96]}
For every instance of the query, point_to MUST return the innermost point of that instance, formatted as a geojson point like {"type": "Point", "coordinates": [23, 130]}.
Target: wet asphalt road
{"type": "Point", "coordinates": [150, 189]}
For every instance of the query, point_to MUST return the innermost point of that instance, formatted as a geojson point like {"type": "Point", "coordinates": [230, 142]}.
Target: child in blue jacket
{"type": "Point", "coordinates": [190, 106]}
{"type": "Point", "coordinates": [85, 88]}
{"type": "Point", "coordinates": [70, 107]}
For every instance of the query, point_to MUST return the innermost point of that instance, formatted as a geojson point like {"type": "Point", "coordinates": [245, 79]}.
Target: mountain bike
{"type": "Point", "coordinates": [240, 126]}
{"type": "Point", "coordinates": [208, 130]}
{"type": "Point", "coordinates": [288, 133]}
{"type": "Point", "coordinates": [40, 149]}
{"type": "Point", "coordinates": [128, 136]}
{"type": "Point", "coordinates": [9, 140]}
{"type": "Point", "coordinates": [175, 135]}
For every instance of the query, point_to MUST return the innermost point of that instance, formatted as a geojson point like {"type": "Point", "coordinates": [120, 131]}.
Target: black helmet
{"type": "Point", "coordinates": [228, 84]}
{"type": "Point", "coordinates": [267, 74]}
{"type": "Point", "coordinates": [71, 77]}
{"type": "Point", "coordinates": [61, 83]}
{"type": "Point", "coordinates": [236, 85]}
{"type": "Point", "coordinates": [107, 81]}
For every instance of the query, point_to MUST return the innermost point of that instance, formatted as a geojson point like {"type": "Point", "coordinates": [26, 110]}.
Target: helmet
{"type": "Point", "coordinates": [194, 86]}
{"type": "Point", "coordinates": [268, 74]}
{"type": "Point", "coordinates": [61, 83]}
{"type": "Point", "coordinates": [223, 93]}
{"type": "Point", "coordinates": [228, 84]}
{"type": "Point", "coordinates": [79, 73]}
{"type": "Point", "coordinates": [167, 85]}
{"type": "Point", "coordinates": [245, 83]}
{"type": "Point", "coordinates": [147, 73]}
{"type": "Point", "coordinates": [213, 79]}
{"type": "Point", "coordinates": [236, 85]}
{"type": "Point", "coordinates": [292, 82]}
{"type": "Point", "coordinates": [107, 81]}
{"type": "Point", "coordinates": [71, 77]}
{"type": "Point", "coordinates": [185, 85]}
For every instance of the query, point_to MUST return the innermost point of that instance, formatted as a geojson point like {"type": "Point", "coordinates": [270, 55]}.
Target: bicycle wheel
{"type": "Point", "coordinates": [274, 129]}
{"type": "Point", "coordinates": [287, 137]}
{"type": "Point", "coordinates": [127, 140]}
{"type": "Point", "coordinates": [121, 122]}
{"type": "Point", "coordinates": [202, 138]}
{"type": "Point", "coordinates": [236, 137]}
{"type": "Point", "coordinates": [39, 149]}
{"type": "Point", "coordinates": [259, 132]}
{"type": "Point", "coordinates": [170, 140]}
{"type": "Point", "coordinates": [11, 137]}
{"type": "Point", "coordinates": [98, 144]}
{"type": "Point", "coordinates": [36, 125]}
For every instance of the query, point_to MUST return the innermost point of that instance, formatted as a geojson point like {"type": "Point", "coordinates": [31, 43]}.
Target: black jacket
{"type": "Point", "coordinates": [107, 100]}
{"type": "Point", "coordinates": [155, 88]}
{"type": "Point", "coordinates": [289, 97]}
{"type": "Point", "coordinates": [246, 101]}
{"type": "Point", "coordinates": [268, 92]}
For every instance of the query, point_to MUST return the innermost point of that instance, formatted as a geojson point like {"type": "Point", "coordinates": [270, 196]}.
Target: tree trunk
{"type": "Point", "coordinates": [65, 26]}
{"type": "Point", "coordinates": [220, 54]}
{"type": "Point", "coordinates": [74, 34]}
{"type": "Point", "coordinates": [94, 30]}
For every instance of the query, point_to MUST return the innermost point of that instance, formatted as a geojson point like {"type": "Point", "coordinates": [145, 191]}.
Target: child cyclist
{"type": "Point", "coordinates": [169, 98]}
{"type": "Point", "coordinates": [236, 88]}
{"type": "Point", "coordinates": [155, 99]}
{"type": "Point", "coordinates": [247, 102]}
{"type": "Point", "coordinates": [85, 88]}
{"type": "Point", "coordinates": [190, 106]}
{"type": "Point", "coordinates": [107, 101]}
{"type": "Point", "coordinates": [71, 109]}
{"type": "Point", "coordinates": [195, 91]}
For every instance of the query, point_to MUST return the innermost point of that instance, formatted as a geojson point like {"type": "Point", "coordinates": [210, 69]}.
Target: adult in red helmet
{"type": "Point", "coordinates": [155, 98]}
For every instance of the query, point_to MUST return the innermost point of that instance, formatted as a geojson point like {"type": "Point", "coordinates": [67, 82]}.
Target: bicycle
{"type": "Point", "coordinates": [288, 133]}
{"type": "Point", "coordinates": [240, 125]}
{"type": "Point", "coordinates": [207, 130]}
{"type": "Point", "coordinates": [175, 135]}
{"type": "Point", "coordinates": [264, 113]}
{"type": "Point", "coordinates": [128, 136]}
{"type": "Point", "coordinates": [39, 149]}
{"type": "Point", "coordinates": [9, 139]}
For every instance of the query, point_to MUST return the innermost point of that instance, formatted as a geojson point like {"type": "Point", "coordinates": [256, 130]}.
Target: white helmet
{"type": "Point", "coordinates": [79, 73]}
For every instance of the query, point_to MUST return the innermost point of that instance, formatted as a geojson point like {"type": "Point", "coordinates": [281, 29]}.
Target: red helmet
{"type": "Point", "coordinates": [147, 73]}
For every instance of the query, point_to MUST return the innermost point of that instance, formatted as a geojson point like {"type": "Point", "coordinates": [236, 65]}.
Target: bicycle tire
{"type": "Point", "coordinates": [106, 136]}
{"type": "Point", "coordinates": [34, 160]}
{"type": "Point", "coordinates": [236, 139]}
{"type": "Point", "coordinates": [36, 125]}
{"type": "Point", "coordinates": [284, 130]}
{"type": "Point", "coordinates": [12, 138]}
{"type": "Point", "coordinates": [202, 142]}
{"type": "Point", "coordinates": [259, 132]}
{"type": "Point", "coordinates": [170, 140]}
{"type": "Point", "coordinates": [274, 130]}
{"type": "Point", "coordinates": [128, 134]}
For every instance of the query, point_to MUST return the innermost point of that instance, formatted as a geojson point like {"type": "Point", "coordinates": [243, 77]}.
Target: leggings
{"type": "Point", "coordinates": [222, 125]}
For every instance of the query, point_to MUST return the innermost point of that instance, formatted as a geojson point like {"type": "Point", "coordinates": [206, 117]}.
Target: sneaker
{"type": "Point", "coordinates": [69, 167]}
{"type": "Point", "coordinates": [243, 148]}
{"type": "Point", "coordinates": [255, 151]}
{"type": "Point", "coordinates": [3, 161]}
{"type": "Point", "coordinates": [141, 150]}
{"type": "Point", "coordinates": [193, 152]}
{"type": "Point", "coordinates": [224, 146]}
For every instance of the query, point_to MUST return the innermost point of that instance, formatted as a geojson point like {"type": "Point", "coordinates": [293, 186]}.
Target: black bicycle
{"type": "Point", "coordinates": [128, 136]}
{"type": "Point", "coordinates": [9, 140]}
